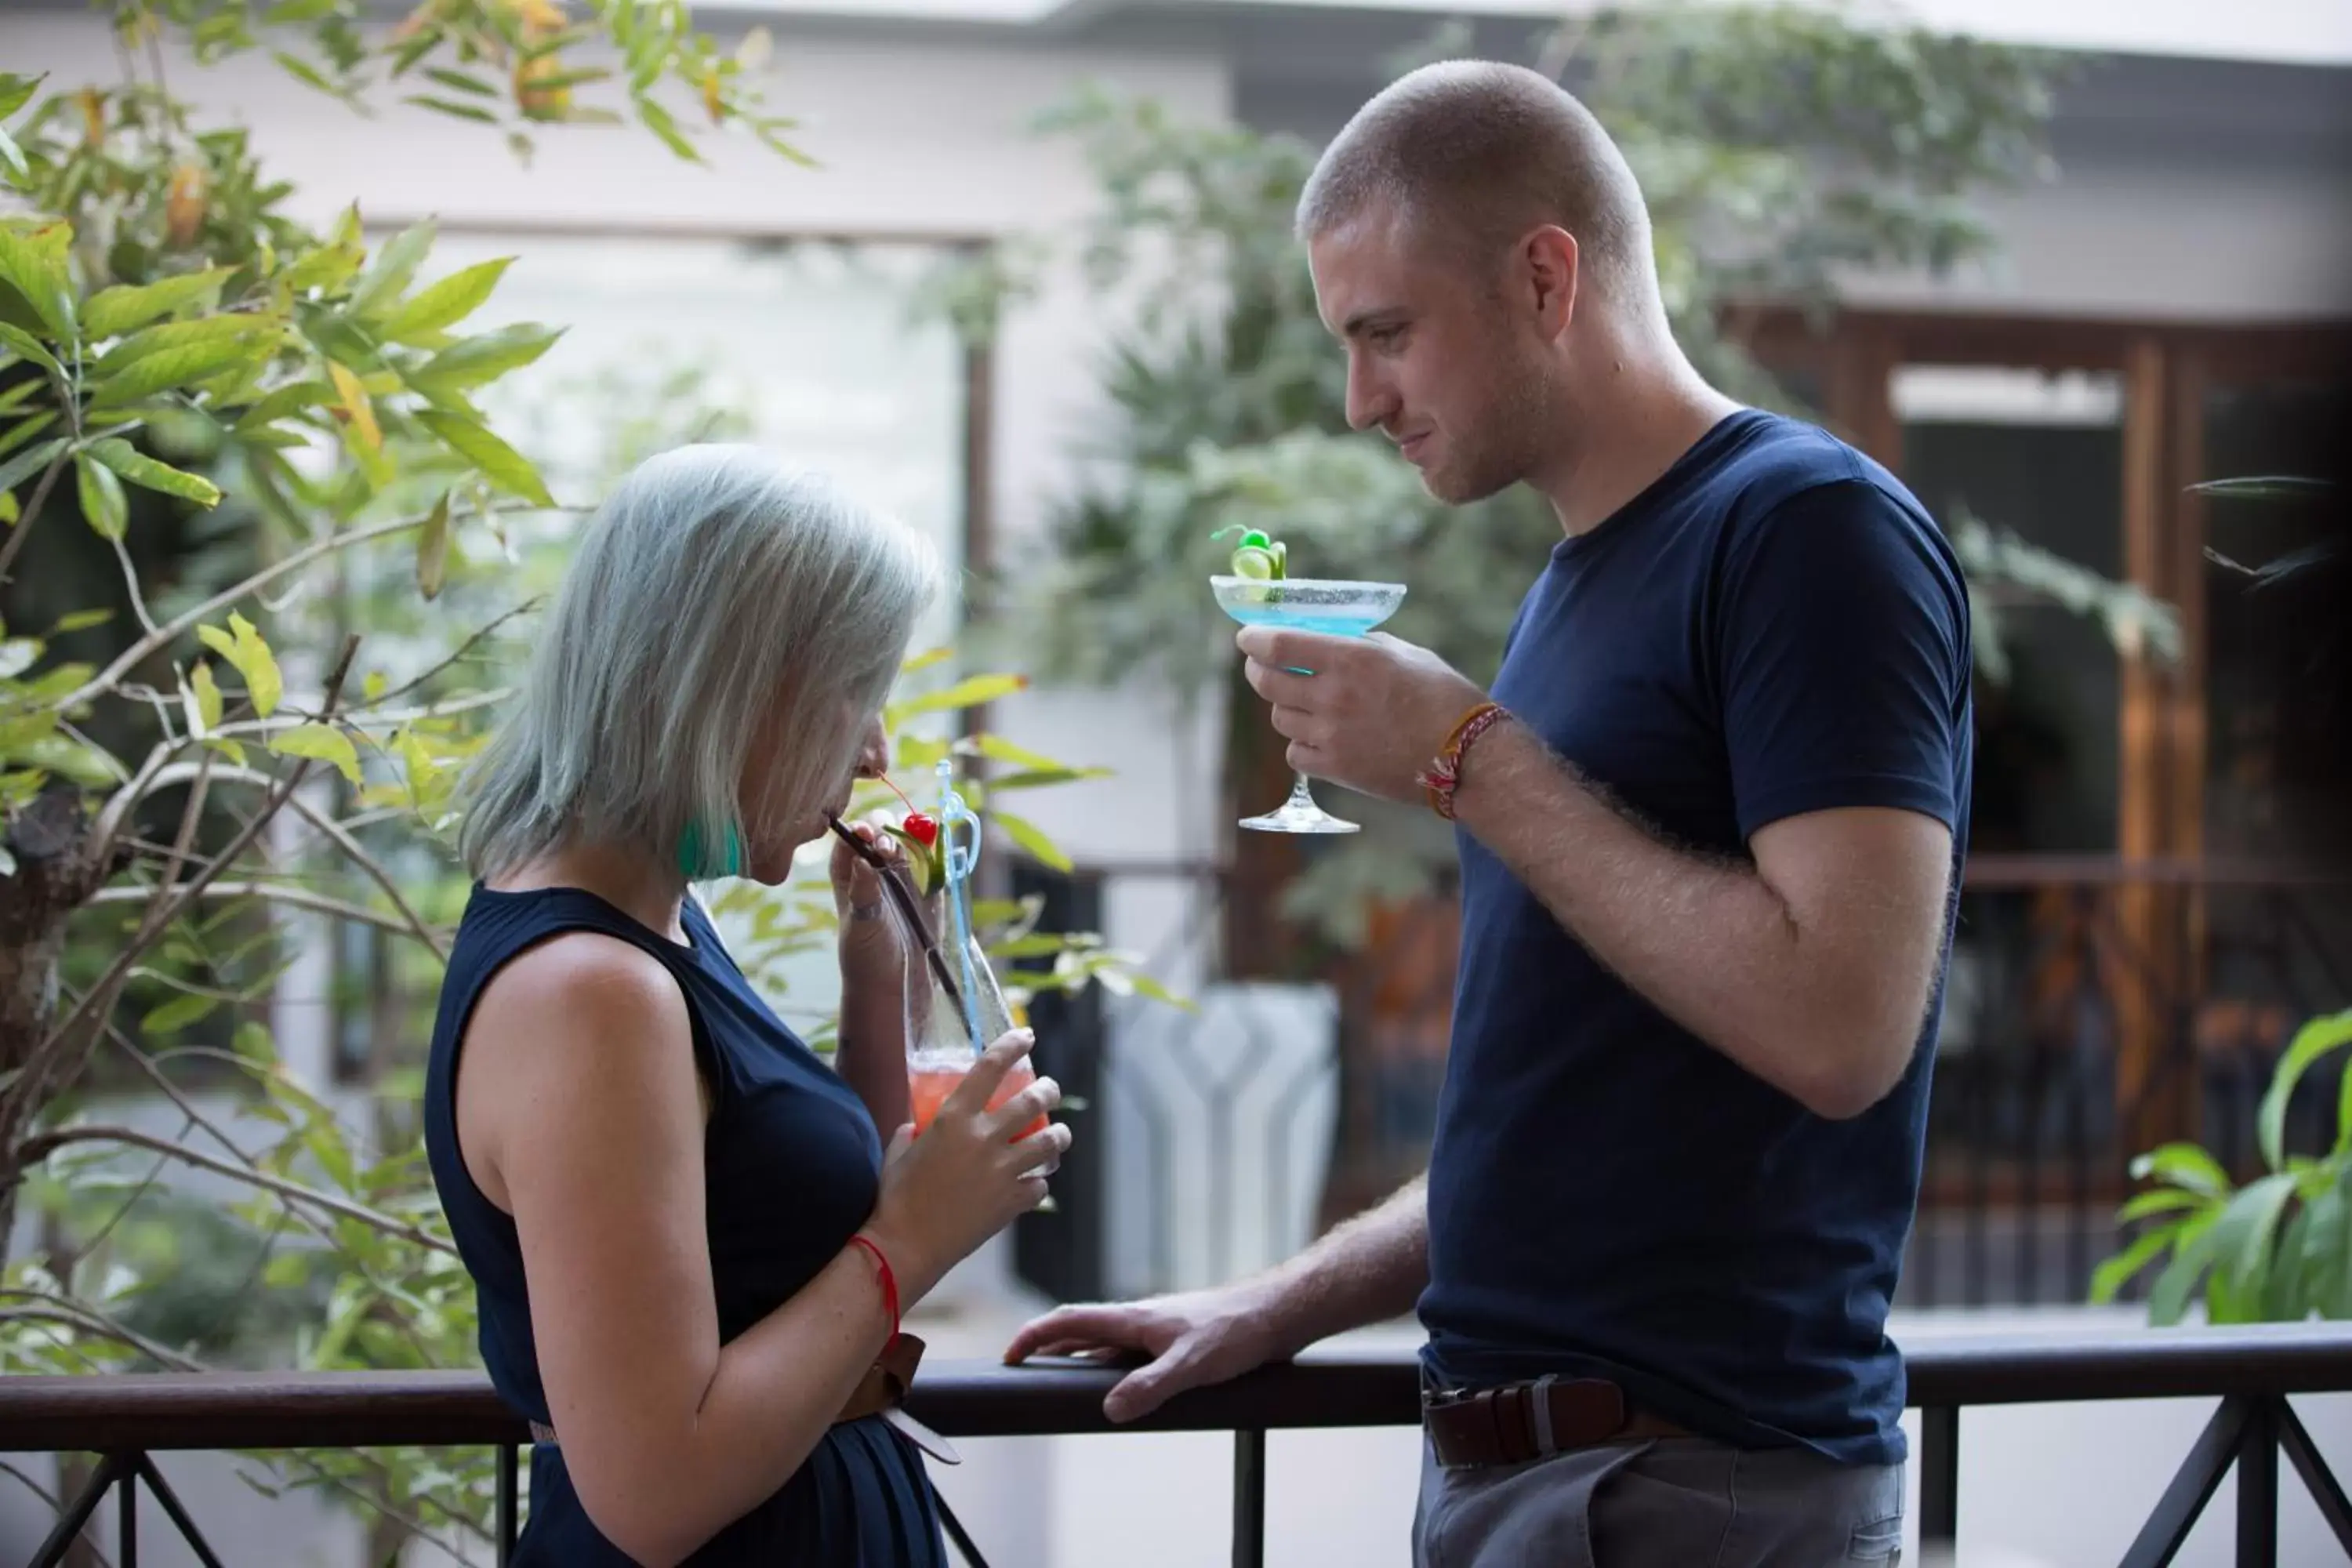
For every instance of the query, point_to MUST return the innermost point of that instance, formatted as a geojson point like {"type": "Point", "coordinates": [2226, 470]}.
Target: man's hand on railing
{"type": "Point", "coordinates": [1192, 1340]}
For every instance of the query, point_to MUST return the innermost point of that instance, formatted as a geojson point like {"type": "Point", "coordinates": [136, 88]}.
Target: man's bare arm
{"type": "Point", "coordinates": [1813, 968]}
{"type": "Point", "coordinates": [1368, 1270]}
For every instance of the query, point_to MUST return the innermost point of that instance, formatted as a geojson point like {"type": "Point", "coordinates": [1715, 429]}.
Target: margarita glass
{"type": "Point", "coordinates": [1331, 607]}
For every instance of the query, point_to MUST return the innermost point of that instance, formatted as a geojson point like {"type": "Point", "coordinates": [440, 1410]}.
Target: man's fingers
{"type": "Point", "coordinates": [1104, 1326]}
{"type": "Point", "coordinates": [1146, 1388]}
{"type": "Point", "coordinates": [1278, 685]}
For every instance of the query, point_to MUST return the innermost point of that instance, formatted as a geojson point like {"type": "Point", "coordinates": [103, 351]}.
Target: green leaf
{"type": "Point", "coordinates": [23, 342]}
{"type": "Point", "coordinates": [125, 308]}
{"type": "Point", "coordinates": [25, 430]}
{"type": "Point", "coordinates": [80, 620]}
{"type": "Point", "coordinates": [500, 463]}
{"type": "Point", "coordinates": [433, 549]}
{"type": "Point", "coordinates": [286, 1270]}
{"type": "Point", "coordinates": [320, 743]}
{"type": "Point", "coordinates": [152, 373]}
{"type": "Point", "coordinates": [1039, 778]}
{"type": "Point", "coordinates": [926, 658]}
{"type": "Point", "coordinates": [290, 11]}
{"type": "Point", "coordinates": [281, 403]}
{"type": "Point", "coordinates": [15, 91]}
{"type": "Point", "coordinates": [1030, 839]}
{"type": "Point", "coordinates": [2267, 487]}
{"type": "Point", "coordinates": [445, 303]}
{"type": "Point", "coordinates": [249, 656]}
{"type": "Point", "coordinates": [1147, 986]}
{"type": "Point", "coordinates": [2316, 1039]}
{"type": "Point", "coordinates": [2242, 1238]}
{"type": "Point", "coordinates": [103, 505]}
{"type": "Point", "coordinates": [395, 264]}
{"type": "Point", "coordinates": [996, 747]}
{"type": "Point", "coordinates": [34, 264]}
{"type": "Point", "coordinates": [918, 753]}
{"type": "Point", "coordinates": [207, 695]}
{"type": "Point", "coordinates": [657, 120]}
{"type": "Point", "coordinates": [164, 336]}
{"type": "Point", "coordinates": [2183, 1165]}
{"type": "Point", "coordinates": [969, 692]}
{"type": "Point", "coordinates": [2194, 1254]}
{"type": "Point", "coordinates": [472, 361]}
{"type": "Point", "coordinates": [28, 462]}
{"type": "Point", "coordinates": [328, 267]}
{"type": "Point", "coordinates": [14, 156]}
{"type": "Point", "coordinates": [460, 82]}
{"type": "Point", "coordinates": [2162, 1200]}
{"type": "Point", "coordinates": [142, 469]}
{"type": "Point", "coordinates": [306, 73]}
{"type": "Point", "coordinates": [177, 1014]}
{"type": "Point", "coordinates": [451, 106]}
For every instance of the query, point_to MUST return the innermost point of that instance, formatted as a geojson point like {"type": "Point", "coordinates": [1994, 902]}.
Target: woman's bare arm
{"type": "Point", "coordinates": [579, 1100]}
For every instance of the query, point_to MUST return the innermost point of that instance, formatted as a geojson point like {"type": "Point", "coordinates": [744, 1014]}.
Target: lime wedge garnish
{"type": "Point", "coordinates": [1258, 565]}
{"type": "Point", "coordinates": [1281, 559]}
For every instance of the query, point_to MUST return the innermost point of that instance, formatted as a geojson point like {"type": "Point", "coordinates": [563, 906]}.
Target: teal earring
{"type": "Point", "coordinates": [694, 862]}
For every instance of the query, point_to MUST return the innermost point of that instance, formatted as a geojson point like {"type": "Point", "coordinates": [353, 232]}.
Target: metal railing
{"type": "Point", "coordinates": [2097, 1005]}
{"type": "Point", "coordinates": [125, 1418]}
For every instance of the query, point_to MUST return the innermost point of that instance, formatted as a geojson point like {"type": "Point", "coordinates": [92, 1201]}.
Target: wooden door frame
{"type": "Point", "coordinates": [2167, 368]}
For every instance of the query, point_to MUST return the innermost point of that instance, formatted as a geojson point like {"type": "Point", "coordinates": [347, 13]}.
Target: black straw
{"type": "Point", "coordinates": [894, 883]}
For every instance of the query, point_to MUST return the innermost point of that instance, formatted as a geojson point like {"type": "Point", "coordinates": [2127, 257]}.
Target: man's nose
{"type": "Point", "coordinates": [1369, 402]}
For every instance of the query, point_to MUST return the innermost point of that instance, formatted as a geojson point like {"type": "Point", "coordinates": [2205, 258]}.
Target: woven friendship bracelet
{"type": "Point", "coordinates": [1444, 775]}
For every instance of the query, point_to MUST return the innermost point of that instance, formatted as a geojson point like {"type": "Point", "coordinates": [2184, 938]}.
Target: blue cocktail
{"type": "Point", "coordinates": [1332, 608]}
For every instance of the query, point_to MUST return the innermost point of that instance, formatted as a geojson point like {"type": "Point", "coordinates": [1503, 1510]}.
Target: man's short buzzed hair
{"type": "Point", "coordinates": [1485, 151]}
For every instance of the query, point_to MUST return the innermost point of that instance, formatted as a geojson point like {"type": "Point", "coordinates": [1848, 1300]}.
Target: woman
{"type": "Point", "coordinates": [689, 1246]}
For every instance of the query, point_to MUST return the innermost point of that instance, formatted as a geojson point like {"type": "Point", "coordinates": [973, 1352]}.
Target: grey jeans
{"type": "Point", "coordinates": [1672, 1502]}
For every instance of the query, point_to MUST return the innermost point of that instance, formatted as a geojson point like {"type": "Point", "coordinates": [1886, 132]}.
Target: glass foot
{"type": "Point", "coordinates": [1299, 813]}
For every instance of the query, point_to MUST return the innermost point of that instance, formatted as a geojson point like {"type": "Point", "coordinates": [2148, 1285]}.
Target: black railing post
{"type": "Point", "coordinates": [176, 1511]}
{"type": "Point", "coordinates": [111, 1467]}
{"type": "Point", "coordinates": [1249, 1498]}
{"type": "Point", "coordinates": [508, 1485]}
{"type": "Point", "coordinates": [1939, 1476]}
{"type": "Point", "coordinates": [126, 1516]}
{"type": "Point", "coordinates": [2318, 1479]}
{"type": "Point", "coordinates": [2194, 1482]}
{"type": "Point", "coordinates": [2258, 1488]}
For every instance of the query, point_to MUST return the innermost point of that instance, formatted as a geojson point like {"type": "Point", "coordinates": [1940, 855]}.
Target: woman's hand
{"type": "Point", "coordinates": [968, 1176]}
{"type": "Point", "coordinates": [870, 939]}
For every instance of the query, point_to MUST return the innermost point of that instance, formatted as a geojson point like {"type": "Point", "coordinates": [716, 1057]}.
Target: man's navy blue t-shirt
{"type": "Point", "coordinates": [1774, 626]}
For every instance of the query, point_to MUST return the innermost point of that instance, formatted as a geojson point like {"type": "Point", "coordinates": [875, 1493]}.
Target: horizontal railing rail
{"type": "Point", "coordinates": [2252, 1371]}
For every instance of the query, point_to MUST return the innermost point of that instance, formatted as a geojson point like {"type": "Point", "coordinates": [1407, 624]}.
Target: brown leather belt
{"type": "Point", "coordinates": [881, 1391]}
{"type": "Point", "coordinates": [1522, 1421]}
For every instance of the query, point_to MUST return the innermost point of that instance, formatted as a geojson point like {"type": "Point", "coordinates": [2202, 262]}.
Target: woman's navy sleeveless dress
{"type": "Point", "coordinates": [792, 1166]}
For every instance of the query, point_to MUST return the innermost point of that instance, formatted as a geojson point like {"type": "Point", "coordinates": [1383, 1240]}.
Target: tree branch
{"type": "Point", "coordinates": [416, 926]}
{"type": "Point", "coordinates": [33, 1082]}
{"type": "Point", "coordinates": [105, 679]}
{"type": "Point", "coordinates": [455, 654]}
{"type": "Point", "coordinates": [89, 1320]}
{"type": "Point", "coordinates": [18, 534]}
{"type": "Point", "coordinates": [41, 1145]}
{"type": "Point", "coordinates": [278, 893]}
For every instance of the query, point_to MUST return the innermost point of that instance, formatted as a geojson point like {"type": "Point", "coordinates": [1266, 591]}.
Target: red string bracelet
{"type": "Point", "coordinates": [889, 1280]}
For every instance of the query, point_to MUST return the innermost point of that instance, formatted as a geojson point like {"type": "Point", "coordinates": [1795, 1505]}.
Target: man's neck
{"type": "Point", "coordinates": [1631, 430]}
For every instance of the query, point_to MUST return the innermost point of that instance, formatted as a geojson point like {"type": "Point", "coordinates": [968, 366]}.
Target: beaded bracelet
{"type": "Point", "coordinates": [1443, 777]}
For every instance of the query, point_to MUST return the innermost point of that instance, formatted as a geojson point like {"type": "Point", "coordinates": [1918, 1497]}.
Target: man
{"type": "Point", "coordinates": [1709, 860]}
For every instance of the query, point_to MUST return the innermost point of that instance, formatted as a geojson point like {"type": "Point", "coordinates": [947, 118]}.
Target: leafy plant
{"type": "Point", "coordinates": [2276, 1249]}
{"type": "Point", "coordinates": [274, 436]}
{"type": "Point", "coordinates": [1777, 147]}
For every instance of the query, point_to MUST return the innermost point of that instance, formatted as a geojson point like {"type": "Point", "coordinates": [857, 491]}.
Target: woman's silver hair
{"type": "Point", "coordinates": [715, 583]}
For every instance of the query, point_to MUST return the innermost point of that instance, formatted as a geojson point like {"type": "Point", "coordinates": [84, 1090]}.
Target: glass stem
{"type": "Point", "coordinates": [1301, 797]}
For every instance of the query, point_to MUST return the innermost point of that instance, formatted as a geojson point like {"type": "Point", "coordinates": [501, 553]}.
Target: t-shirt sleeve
{"type": "Point", "coordinates": [1844, 659]}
